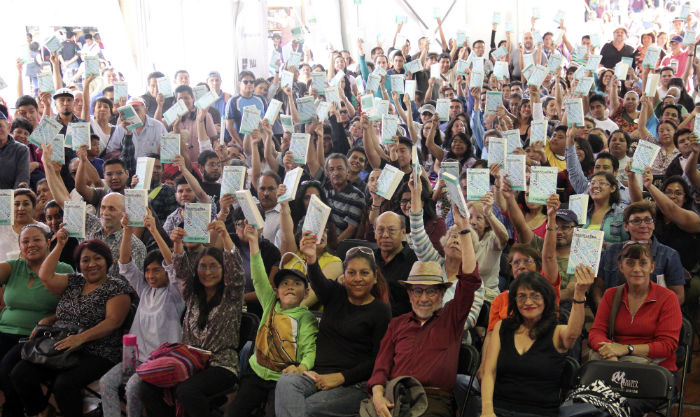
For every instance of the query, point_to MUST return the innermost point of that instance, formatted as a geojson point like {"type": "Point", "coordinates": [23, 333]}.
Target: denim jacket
{"type": "Point", "coordinates": [612, 223]}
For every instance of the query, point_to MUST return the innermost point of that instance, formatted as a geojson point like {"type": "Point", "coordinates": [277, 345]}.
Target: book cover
{"type": "Point", "coordinates": [287, 123]}
{"type": "Point", "coordinates": [199, 91]}
{"type": "Point", "coordinates": [80, 134]}
{"type": "Point", "coordinates": [462, 66]}
{"type": "Point", "coordinates": [360, 85]}
{"type": "Point", "coordinates": [538, 75]}
{"type": "Point", "coordinates": [397, 81]}
{"type": "Point", "coordinates": [368, 106]}
{"type": "Point", "coordinates": [651, 57]}
{"type": "Point", "coordinates": [644, 156]}
{"type": "Point", "coordinates": [580, 73]}
{"type": "Point", "coordinates": [197, 219]}
{"type": "Point", "coordinates": [415, 164]}
{"type": "Point", "coordinates": [286, 78]}
{"type": "Point", "coordinates": [554, 62]}
{"type": "Point", "coordinates": [497, 151]}
{"type": "Point", "coordinates": [652, 83]}
{"type": "Point", "coordinates": [232, 179]}
{"type": "Point", "coordinates": [306, 109]}
{"type": "Point", "coordinates": [593, 62]}
{"type": "Point", "coordinates": [381, 72]}
{"type": "Point", "coordinates": [7, 207]}
{"type": "Point", "coordinates": [132, 119]}
{"type": "Point", "coordinates": [621, 70]}
{"type": "Point", "coordinates": [410, 89]}
{"type": "Point", "coordinates": [499, 53]}
{"type": "Point", "coordinates": [390, 122]}
{"type": "Point", "coordinates": [206, 100]}
{"type": "Point", "coordinates": [388, 181]}
{"type": "Point", "coordinates": [176, 110]}
{"type": "Point", "coordinates": [516, 171]}
{"type": "Point", "coordinates": [92, 65]}
{"type": "Point", "coordinates": [45, 81]}
{"type": "Point", "coordinates": [382, 108]}
{"type": "Point", "coordinates": [318, 81]}
{"type": "Point", "coordinates": [120, 90]}
{"type": "Point", "coordinates": [336, 78]}
{"type": "Point", "coordinates": [275, 59]}
{"type": "Point", "coordinates": [74, 218]}
{"type": "Point", "coordinates": [461, 38]}
{"type": "Point", "coordinates": [332, 95]}
{"type": "Point", "coordinates": [53, 44]}
{"type": "Point", "coordinates": [293, 60]}
{"type": "Point", "coordinates": [477, 183]}
{"type": "Point", "coordinates": [316, 218]}
{"type": "Point", "coordinates": [250, 119]}
{"type": "Point", "coordinates": [696, 126]}
{"type": "Point", "coordinates": [299, 147]}
{"type": "Point", "coordinates": [574, 111]}
{"type": "Point", "coordinates": [373, 81]}
{"type": "Point", "coordinates": [322, 111]}
{"type": "Point", "coordinates": [442, 107]}
{"type": "Point", "coordinates": [451, 167]}
{"type": "Point", "coordinates": [169, 147]}
{"type": "Point", "coordinates": [513, 141]}
{"type": "Point", "coordinates": [586, 247]}
{"type": "Point", "coordinates": [164, 87]}
{"type": "Point", "coordinates": [454, 193]}
{"type": "Point", "coordinates": [494, 100]}
{"type": "Point", "coordinates": [689, 38]}
{"type": "Point", "coordinates": [136, 203]}
{"type": "Point", "coordinates": [435, 71]}
{"type": "Point", "coordinates": [536, 36]}
{"type": "Point", "coordinates": [291, 182]}
{"type": "Point", "coordinates": [584, 86]}
{"type": "Point", "coordinates": [543, 183]}
{"type": "Point", "coordinates": [144, 170]}
{"type": "Point", "coordinates": [476, 79]}
{"type": "Point", "coordinates": [528, 70]}
{"type": "Point", "coordinates": [58, 151]}
{"type": "Point", "coordinates": [538, 131]}
{"type": "Point", "coordinates": [500, 70]}
{"type": "Point", "coordinates": [45, 131]}
{"type": "Point", "coordinates": [250, 209]}
{"type": "Point", "coordinates": [413, 66]}
{"type": "Point", "coordinates": [273, 110]}
{"type": "Point", "coordinates": [578, 203]}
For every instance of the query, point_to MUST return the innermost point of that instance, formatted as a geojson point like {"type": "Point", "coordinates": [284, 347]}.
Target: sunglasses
{"type": "Point", "coordinates": [247, 81]}
{"type": "Point", "coordinates": [361, 249]}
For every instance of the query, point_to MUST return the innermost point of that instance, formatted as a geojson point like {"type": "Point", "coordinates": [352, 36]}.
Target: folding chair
{"type": "Point", "coordinates": [685, 347]}
{"type": "Point", "coordinates": [248, 332]}
{"type": "Point", "coordinates": [347, 244]}
{"type": "Point", "coordinates": [632, 380]}
{"type": "Point", "coordinates": [469, 359]}
{"type": "Point", "coordinates": [568, 376]}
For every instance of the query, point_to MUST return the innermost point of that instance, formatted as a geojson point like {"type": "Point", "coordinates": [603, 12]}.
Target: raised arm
{"type": "Point", "coordinates": [691, 166]}
{"type": "Point", "coordinates": [199, 193]}
{"type": "Point", "coordinates": [368, 136]}
{"type": "Point", "coordinates": [288, 243]}
{"type": "Point", "coordinates": [498, 228]}
{"type": "Point", "coordinates": [687, 220]}
{"type": "Point", "coordinates": [612, 91]}
{"type": "Point", "coordinates": [85, 114]}
{"type": "Point", "coordinates": [254, 138]}
{"type": "Point", "coordinates": [56, 283]}
{"type": "Point", "coordinates": [516, 214]}
{"type": "Point", "coordinates": [434, 149]}
{"type": "Point", "coordinates": [635, 190]}
{"type": "Point", "coordinates": [55, 65]}
{"type": "Point", "coordinates": [550, 269]}
{"type": "Point", "coordinates": [83, 175]}
{"type": "Point", "coordinates": [53, 178]}
{"type": "Point", "coordinates": [569, 334]}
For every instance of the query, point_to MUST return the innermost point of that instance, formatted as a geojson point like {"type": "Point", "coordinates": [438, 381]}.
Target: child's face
{"type": "Point", "coordinates": [291, 292]}
{"type": "Point", "coordinates": [155, 275]}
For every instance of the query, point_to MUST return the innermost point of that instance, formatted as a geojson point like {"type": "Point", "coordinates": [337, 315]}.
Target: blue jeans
{"type": "Point", "coordinates": [297, 396]}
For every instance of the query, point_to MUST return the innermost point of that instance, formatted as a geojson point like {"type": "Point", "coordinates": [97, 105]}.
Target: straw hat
{"type": "Point", "coordinates": [426, 273]}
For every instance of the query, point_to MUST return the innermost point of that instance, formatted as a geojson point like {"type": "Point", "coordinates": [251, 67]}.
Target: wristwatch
{"type": "Point", "coordinates": [465, 231]}
{"type": "Point", "coordinates": [630, 349]}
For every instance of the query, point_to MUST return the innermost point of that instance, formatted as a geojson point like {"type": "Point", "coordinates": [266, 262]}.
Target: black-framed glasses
{"type": "Point", "coordinates": [405, 201]}
{"type": "Point", "coordinates": [430, 291]}
{"type": "Point", "coordinates": [247, 81]}
{"type": "Point", "coordinates": [638, 221]}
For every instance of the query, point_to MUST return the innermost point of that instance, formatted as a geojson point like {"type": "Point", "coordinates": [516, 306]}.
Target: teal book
{"type": "Point", "coordinates": [164, 87]}
{"type": "Point", "coordinates": [169, 147]}
{"type": "Point", "coordinates": [306, 109]}
{"type": "Point", "coordinates": [538, 131]}
{"type": "Point", "coordinates": [318, 81]}
{"type": "Point", "coordinates": [390, 122]}
{"type": "Point", "coordinates": [132, 119]}
{"type": "Point", "coordinates": [136, 204]}
{"type": "Point", "coordinates": [291, 182]}
{"type": "Point", "coordinates": [232, 179]}
{"type": "Point", "coordinates": [543, 183]}
{"type": "Point", "coordinates": [516, 172]}
{"type": "Point", "coordinates": [92, 65]}
{"type": "Point", "coordinates": [578, 203]}
{"type": "Point", "coordinates": [497, 151]}
{"type": "Point", "coordinates": [45, 80]}
{"type": "Point", "coordinates": [120, 90]}
{"type": "Point", "coordinates": [74, 218]}
{"type": "Point", "coordinates": [299, 147]}
{"type": "Point", "coordinates": [586, 248]}
{"type": "Point", "coordinates": [80, 134]}
{"type": "Point", "coordinates": [250, 119]}
{"type": "Point", "coordinates": [388, 181]}
{"type": "Point", "coordinates": [442, 107]}
{"type": "Point", "coordinates": [316, 218]}
{"type": "Point", "coordinates": [58, 151]}
{"type": "Point", "coordinates": [144, 171]}
{"type": "Point", "coordinates": [454, 193]}
{"type": "Point", "coordinates": [197, 219]}
{"type": "Point", "coordinates": [477, 183]}
{"type": "Point", "coordinates": [397, 83]}
{"type": "Point", "coordinates": [7, 207]}
{"type": "Point", "coordinates": [250, 209]}
{"type": "Point", "coordinates": [644, 156]}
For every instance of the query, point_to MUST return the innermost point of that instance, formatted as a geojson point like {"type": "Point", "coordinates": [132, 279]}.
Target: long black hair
{"type": "Point", "coordinates": [537, 283]}
{"type": "Point", "coordinates": [204, 305]}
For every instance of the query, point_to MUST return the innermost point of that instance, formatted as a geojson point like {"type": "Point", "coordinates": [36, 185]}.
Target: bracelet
{"type": "Point", "coordinates": [465, 231]}
{"type": "Point", "coordinates": [377, 207]}
{"type": "Point", "coordinates": [551, 229]}
{"type": "Point", "coordinates": [579, 302]}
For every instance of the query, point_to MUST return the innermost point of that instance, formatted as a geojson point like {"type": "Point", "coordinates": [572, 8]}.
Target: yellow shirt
{"type": "Point", "coordinates": [323, 260]}
{"type": "Point", "coordinates": [593, 226]}
{"type": "Point", "coordinates": [554, 161]}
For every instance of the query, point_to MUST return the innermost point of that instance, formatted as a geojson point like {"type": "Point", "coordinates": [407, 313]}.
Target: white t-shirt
{"type": "Point", "coordinates": [607, 125]}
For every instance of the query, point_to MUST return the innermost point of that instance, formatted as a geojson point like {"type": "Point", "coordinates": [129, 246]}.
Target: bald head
{"type": "Point", "coordinates": [389, 231]}
{"type": "Point", "coordinates": [111, 211]}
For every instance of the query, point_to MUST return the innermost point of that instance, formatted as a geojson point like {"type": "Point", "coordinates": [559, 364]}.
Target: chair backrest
{"type": "Point", "coordinates": [632, 380]}
{"type": "Point", "coordinates": [347, 244]}
{"type": "Point", "coordinates": [469, 359]}
{"type": "Point", "coordinates": [249, 329]}
{"type": "Point", "coordinates": [685, 342]}
{"type": "Point", "coordinates": [568, 376]}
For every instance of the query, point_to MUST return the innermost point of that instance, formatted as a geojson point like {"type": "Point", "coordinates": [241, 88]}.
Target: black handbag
{"type": "Point", "coordinates": [41, 351]}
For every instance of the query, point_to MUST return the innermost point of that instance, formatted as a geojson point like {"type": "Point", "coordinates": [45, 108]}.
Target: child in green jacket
{"type": "Point", "coordinates": [286, 339]}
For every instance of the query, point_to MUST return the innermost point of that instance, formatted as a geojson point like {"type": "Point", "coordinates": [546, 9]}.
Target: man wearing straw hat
{"type": "Point", "coordinates": [425, 342]}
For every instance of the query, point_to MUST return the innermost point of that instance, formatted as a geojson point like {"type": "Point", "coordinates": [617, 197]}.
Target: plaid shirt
{"type": "Point", "coordinates": [163, 203]}
{"type": "Point", "coordinates": [93, 230]}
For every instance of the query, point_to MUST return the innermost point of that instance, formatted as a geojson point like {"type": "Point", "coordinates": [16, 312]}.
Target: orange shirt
{"type": "Point", "coordinates": [499, 306]}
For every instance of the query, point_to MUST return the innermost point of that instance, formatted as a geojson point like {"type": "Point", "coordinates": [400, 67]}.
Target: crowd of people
{"type": "Point", "coordinates": [369, 317]}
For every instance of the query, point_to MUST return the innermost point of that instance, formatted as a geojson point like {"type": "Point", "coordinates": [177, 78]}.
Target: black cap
{"type": "Point", "coordinates": [567, 215]}
{"type": "Point", "coordinates": [282, 273]}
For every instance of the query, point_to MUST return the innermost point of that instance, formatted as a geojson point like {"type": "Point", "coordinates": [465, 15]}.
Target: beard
{"type": "Point", "coordinates": [66, 112]}
{"type": "Point", "coordinates": [209, 178]}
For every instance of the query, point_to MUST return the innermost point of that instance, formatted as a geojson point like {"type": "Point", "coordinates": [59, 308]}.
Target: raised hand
{"type": "Point", "coordinates": [307, 246]}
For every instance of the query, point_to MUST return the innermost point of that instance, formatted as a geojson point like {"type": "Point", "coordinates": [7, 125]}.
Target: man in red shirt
{"type": "Point", "coordinates": [425, 343]}
{"type": "Point", "coordinates": [678, 57]}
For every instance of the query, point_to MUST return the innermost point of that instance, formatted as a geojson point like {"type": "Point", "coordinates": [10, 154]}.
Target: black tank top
{"type": "Point", "coordinates": [530, 382]}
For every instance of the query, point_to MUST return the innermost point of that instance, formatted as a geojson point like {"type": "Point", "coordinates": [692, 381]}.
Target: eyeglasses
{"type": "Point", "coordinates": [522, 298]}
{"type": "Point", "coordinates": [247, 81]}
{"type": "Point", "coordinates": [431, 291]}
{"type": "Point", "coordinates": [214, 164]}
{"type": "Point", "coordinates": [205, 268]}
{"type": "Point", "coordinates": [362, 249]}
{"type": "Point", "coordinates": [677, 193]}
{"type": "Point", "coordinates": [240, 223]}
{"type": "Point", "coordinates": [638, 221]}
{"type": "Point", "coordinates": [528, 261]}
{"type": "Point", "coordinates": [405, 201]}
{"type": "Point", "coordinates": [600, 184]}
{"type": "Point", "coordinates": [390, 230]}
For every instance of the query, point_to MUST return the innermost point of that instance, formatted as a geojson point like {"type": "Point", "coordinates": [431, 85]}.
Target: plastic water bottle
{"type": "Point", "coordinates": [130, 355]}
